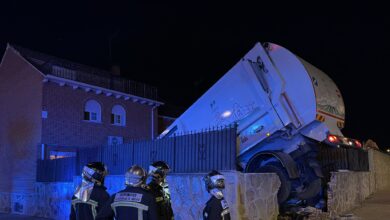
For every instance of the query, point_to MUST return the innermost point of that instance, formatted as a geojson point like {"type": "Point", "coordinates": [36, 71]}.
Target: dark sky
{"type": "Point", "coordinates": [183, 49]}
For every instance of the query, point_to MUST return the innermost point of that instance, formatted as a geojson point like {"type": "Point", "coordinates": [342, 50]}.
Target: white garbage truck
{"type": "Point", "coordinates": [284, 108]}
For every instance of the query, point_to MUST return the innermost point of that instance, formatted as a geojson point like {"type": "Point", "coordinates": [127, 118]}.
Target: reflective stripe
{"type": "Point", "coordinates": [224, 212]}
{"type": "Point", "coordinates": [217, 177]}
{"type": "Point", "coordinates": [320, 118]}
{"type": "Point", "coordinates": [91, 202]}
{"type": "Point", "coordinates": [140, 216]}
{"type": "Point", "coordinates": [139, 206]}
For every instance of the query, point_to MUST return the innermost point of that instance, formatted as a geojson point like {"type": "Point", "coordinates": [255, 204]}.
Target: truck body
{"type": "Point", "coordinates": [283, 108]}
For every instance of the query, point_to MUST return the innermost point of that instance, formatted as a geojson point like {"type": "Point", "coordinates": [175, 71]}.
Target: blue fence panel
{"type": "Point", "coordinates": [45, 171]}
{"type": "Point", "coordinates": [59, 170]}
{"type": "Point", "coordinates": [190, 153]}
{"type": "Point", "coordinates": [88, 155]}
{"type": "Point", "coordinates": [65, 169]}
{"type": "Point", "coordinates": [165, 151]}
{"type": "Point", "coordinates": [144, 153]}
{"type": "Point", "coordinates": [118, 158]}
{"type": "Point", "coordinates": [186, 154]}
{"type": "Point", "coordinates": [207, 150]}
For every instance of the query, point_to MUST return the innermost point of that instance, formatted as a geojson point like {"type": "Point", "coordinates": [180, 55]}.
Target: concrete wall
{"type": "Point", "coordinates": [20, 122]}
{"type": "Point", "coordinates": [250, 196]}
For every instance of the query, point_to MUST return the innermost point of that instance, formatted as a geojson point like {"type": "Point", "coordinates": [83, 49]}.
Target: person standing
{"type": "Point", "coordinates": [91, 194]}
{"type": "Point", "coordinates": [134, 202]}
{"type": "Point", "coordinates": [216, 207]}
{"type": "Point", "coordinates": [158, 186]}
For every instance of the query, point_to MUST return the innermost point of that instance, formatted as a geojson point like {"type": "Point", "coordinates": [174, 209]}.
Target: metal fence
{"type": "Point", "coordinates": [334, 159]}
{"type": "Point", "coordinates": [189, 153]}
{"type": "Point", "coordinates": [107, 81]}
{"type": "Point", "coordinates": [86, 74]}
{"type": "Point", "coordinates": [59, 170]}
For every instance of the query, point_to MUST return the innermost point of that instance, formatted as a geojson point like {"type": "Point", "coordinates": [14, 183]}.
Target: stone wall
{"type": "Point", "coordinates": [50, 200]}
{"type": "Point", "coordinates": [349, 189]}
{"type": "Point", "coordinates": [250, 196]}
{"type": "Point", "coordinates": [380, 168]}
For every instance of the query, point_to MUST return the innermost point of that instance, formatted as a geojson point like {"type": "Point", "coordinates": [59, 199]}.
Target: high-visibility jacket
{"type": "Point", "coordinates": [131, 203]}
{"type": "Point", "coordinates": [88, 210]}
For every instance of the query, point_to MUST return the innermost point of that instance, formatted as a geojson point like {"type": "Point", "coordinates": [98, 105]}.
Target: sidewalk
{"type": "Point", "coordinates": [18, 217]}
{"type": "Point", "coordinates": [375, 207]}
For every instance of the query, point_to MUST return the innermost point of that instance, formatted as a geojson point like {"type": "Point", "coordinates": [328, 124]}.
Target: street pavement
{"type": "Point", "coordinates": [375, 207]}
{"type": "Point", "coordinates": [19, 217]}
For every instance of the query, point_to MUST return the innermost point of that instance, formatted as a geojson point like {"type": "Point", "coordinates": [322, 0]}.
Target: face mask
{"type": "Point", "coordinates": [216, 193]}
{"type": "Point", "coordinates": [83, 192]}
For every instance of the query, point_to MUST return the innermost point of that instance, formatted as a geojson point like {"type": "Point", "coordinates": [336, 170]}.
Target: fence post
{"type": "Point", "coordinates": [174, 152]}
{"type": "Point", "coordinates": [133, 150]}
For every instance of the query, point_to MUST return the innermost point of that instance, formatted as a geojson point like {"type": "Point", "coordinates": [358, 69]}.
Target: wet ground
{"type": "Point", "coordinates": [19, 217]}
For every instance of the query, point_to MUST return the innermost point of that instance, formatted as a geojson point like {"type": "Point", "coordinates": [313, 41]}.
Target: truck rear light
{"type": "Point", "coordinates": [358, 144]}
{"type": "Point", "coordinates": [333, 139]}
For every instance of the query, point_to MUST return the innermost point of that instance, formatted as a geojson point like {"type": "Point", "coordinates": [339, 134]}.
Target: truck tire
{"type": "Point", "coordinates": [285, 183]}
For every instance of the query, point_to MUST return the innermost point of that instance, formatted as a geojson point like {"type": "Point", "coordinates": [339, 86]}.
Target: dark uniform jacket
{"type": "Point", "coordinates": [88, 210]}
{"type": "Point", "coordinates": [216, 209]}
{"type": "Point", "coordinates": [131, 203]}
{"type": "Point", "coordinates": [163, 200]}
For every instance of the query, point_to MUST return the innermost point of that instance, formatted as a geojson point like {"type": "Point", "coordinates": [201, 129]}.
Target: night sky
{"type": "Point", "coordinates": [183, 49]}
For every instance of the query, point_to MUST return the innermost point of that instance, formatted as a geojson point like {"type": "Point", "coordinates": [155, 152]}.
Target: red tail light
{"type": "Point", "coordinates": [333, 139]}
{"type": "Point", "coordinates": [358, 144]}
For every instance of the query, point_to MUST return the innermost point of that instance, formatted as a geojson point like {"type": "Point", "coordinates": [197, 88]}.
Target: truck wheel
{"type": "Point", "coordinates": [285, 187]}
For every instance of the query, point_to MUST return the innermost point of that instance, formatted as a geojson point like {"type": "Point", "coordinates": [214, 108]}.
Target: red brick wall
{"type": "Point", "coordinates": [20, 122]}
{"type": "Point", "coordinates": [65, 126]}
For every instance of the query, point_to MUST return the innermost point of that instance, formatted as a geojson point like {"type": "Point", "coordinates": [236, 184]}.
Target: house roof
{"type": "Point", "coordinates": [62, 68]}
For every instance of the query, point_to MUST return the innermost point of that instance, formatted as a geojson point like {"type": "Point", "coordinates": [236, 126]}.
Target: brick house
{"type": "Point", "coordinates": [49, 107]}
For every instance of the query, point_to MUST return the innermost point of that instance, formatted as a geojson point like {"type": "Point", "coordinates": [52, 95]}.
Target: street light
{"type": "Point", "coordinates": [388, 150]}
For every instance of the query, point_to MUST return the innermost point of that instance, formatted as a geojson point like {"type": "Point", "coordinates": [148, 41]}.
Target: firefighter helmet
{"type": "Point", "coordinates": [214, 180]}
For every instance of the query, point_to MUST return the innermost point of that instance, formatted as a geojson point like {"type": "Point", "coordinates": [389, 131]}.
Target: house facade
{"type": "Point", "coordinates": [50, 107]}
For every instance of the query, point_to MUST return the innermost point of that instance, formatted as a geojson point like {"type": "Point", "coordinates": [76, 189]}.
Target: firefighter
{"type": "Point", "coordinates": [217, 207]}
{"type": "Point", "coordinates": [90, 195]}
{"type": "Point", "coordinates": [134, 202]}
{"type": "Point", "coordinates": [158, 186]}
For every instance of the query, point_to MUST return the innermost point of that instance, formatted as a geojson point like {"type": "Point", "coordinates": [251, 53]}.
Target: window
{"type": "Point", "coordinates": [92, 111]}
{"type": "Point", "coordinates": [118, 115]}
{"type": "Point", "coordinates": [54, 154]}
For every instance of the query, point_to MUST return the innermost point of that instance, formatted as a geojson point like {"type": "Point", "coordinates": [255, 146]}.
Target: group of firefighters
{"type": "Point", "coordinates": [146, 196]}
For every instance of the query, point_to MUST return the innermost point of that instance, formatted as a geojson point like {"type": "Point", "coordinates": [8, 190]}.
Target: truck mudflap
{"type": "Point", "coordinates": [286, 160]}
